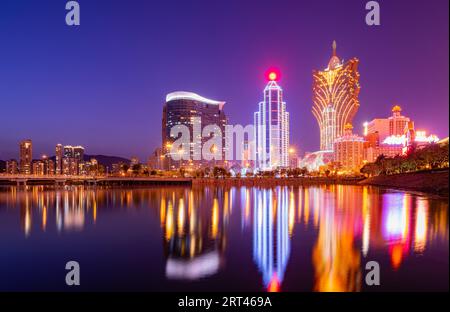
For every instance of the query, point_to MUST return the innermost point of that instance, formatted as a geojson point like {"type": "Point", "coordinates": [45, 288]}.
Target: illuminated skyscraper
{"type": "Point", "coordinates": [58, 158]}
{"type": "Point", "coordinates": [335, 97]}
{"type": "Point", "coordinates": [26, 156]}
{"type": "Point", "coordinates": [272, 128]}
{"type": "Point", "coordinates": [195, 112]}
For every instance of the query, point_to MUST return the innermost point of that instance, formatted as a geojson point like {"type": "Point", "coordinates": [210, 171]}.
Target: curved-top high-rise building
{"type": "Point", "coordinates": [187, 108]}
{"type": "Point", "coordinates": [335, 97]}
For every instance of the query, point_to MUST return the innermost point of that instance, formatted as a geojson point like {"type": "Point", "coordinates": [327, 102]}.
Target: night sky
{"type": "Point", "coordinates": [102, 84]}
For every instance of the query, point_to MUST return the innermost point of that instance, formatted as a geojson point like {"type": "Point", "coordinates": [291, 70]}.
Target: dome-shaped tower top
{"type": "Point", "coordinates": [334, 61]}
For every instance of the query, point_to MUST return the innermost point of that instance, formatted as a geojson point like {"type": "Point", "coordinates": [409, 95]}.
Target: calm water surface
{"type": "Point", "coordinates": [233, 239]}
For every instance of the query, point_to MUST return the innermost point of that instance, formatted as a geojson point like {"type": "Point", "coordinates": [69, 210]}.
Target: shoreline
{"type": "Point", "coordinates": [427, 182]}
{"type": "Point", "coordinates": [433, 182]}
{"type": "Point", "coordinates": [268, 182]}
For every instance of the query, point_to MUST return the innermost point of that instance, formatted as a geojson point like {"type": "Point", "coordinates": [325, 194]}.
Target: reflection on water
{"type": "Point", "coordinates": [339, 228]}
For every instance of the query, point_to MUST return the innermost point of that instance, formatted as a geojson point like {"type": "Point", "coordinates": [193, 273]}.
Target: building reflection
{"type": "Point", "coordinates": [194, 224]}
{"type": "Point", "coordinates": [335, 257]}
{"type": "Point", "coordinates": [343, 227]}
{"type": "Point", "coordinates": [40, 206]}
{"type": "Point", "coordinates": [271, 242]}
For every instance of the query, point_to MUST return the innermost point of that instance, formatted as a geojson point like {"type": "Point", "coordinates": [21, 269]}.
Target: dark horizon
{"type": "Point", "coordinates": [103, 84]}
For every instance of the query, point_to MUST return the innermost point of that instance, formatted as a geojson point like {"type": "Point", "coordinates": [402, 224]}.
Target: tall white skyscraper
{"type": "Point", "coordinates": [272, 128]}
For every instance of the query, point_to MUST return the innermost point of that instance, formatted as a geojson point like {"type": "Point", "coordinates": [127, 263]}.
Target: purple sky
{"type": "Point", "coordinates": [103, 84]}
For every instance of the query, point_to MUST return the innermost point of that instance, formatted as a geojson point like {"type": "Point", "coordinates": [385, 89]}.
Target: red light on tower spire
{"type": "Point", "coordinates": [273, 74]}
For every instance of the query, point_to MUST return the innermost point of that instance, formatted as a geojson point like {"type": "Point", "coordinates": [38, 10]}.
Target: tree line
{"type": "Point", "coordinates": [431, 157]}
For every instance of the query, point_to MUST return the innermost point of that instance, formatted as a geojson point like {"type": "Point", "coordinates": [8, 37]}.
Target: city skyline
{"type": "Point", "coordinates": [241, 146]}
{"type": "Point", "coordinates": [128, 93]}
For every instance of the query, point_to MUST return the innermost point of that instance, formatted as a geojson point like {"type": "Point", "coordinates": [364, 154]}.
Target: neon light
{"type": "Point", "coordinates": [182, 95]}
{"type": "Point", "coordinates": [421, 136]}
{"type": "Point", "coordinates": [395, 140]}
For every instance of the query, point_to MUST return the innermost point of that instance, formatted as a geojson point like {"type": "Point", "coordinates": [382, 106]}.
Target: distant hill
{"type": "Point", "coordinates": [107, 160]}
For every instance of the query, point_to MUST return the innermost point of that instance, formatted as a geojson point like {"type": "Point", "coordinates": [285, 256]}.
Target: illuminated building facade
{"type": "Point", "coordinates": [378, 127]}
{"type": "Point", "coordinates": [397, 122]}
{"type": "Point", "coordinates": [335, 98]}
{"type": "Point", "coordinates": [38, 167]}
{"type": "Point", "coordinates": [76, 152]}
{"type": "Point", "coordinates": [26, 156]}
{"type": "Point", "coordinates": [48, 166]}
{"type": "Point", "coordinates": [293, 158]}
{"type": "Point", "coordinates": [58, 158]}
{"type": "Point", "coordinates": [247, 154]}
{"type": "Point", "coordinates": [381, 129]}
{"type": "Point", "coordinates": [348, 150]}
{"type": "Point", "coordinates": [12, 166]}
{"type": "Point", "coordinates": [393, 136]}
{"type": "Point", "coordinates": [186, 108]}
{"type": "Point", "coordinates": [272, 128]}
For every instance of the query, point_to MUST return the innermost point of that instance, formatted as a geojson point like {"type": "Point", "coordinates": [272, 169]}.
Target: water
{"type": "Point", "coordinates": [222, 239]}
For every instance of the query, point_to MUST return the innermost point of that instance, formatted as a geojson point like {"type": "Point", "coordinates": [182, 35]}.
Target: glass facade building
{"type": "Point", "coordinates": [187, 108]}
{"type": "Point", "coordinates": [272, 129]}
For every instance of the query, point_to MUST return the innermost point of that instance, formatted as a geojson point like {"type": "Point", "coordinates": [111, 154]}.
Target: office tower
{"type": "Point", "coordinates": [186, 108]}
{"type": "Point", "coordinates": [58, 159]}
{"type": "Point", "coordinates": [335, 97]}
{"type": "Point", "coordinates": [348, 150]}
{"type": "Point", "coordinates": [272, 128]}
{"type": "Point", "coordinates": [26, 156]}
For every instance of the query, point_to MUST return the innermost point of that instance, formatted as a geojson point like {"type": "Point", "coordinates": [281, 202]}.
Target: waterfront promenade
{"type": "Point", "coordinates": [6, 179]}
{"type": "Point", "coordinates": [168, 180]}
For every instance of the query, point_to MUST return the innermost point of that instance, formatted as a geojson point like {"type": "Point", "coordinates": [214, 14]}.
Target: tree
{"type": "Point", "coordinates": [124, 168]}
{"type": "Point", "coordinates": [136, 168]}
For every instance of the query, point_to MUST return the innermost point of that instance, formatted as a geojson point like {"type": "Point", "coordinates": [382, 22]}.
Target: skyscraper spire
{"type": "Point", "coordinates": [334, 47]}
